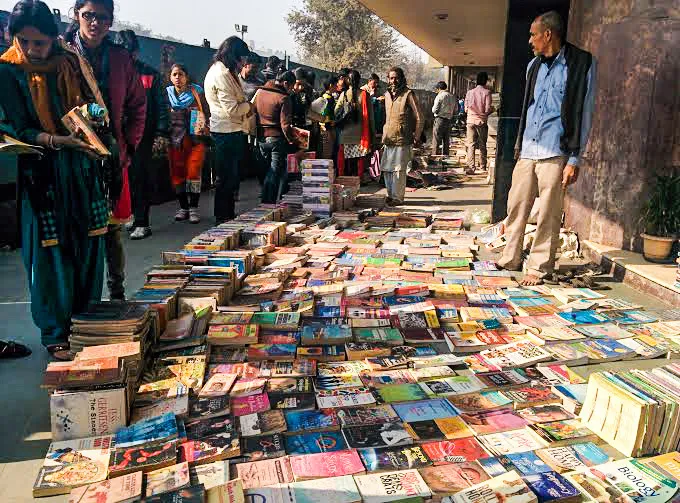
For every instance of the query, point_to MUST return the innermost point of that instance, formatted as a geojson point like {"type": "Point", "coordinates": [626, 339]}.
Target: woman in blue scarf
{"type": "Point", "coordinates": [189, 115]}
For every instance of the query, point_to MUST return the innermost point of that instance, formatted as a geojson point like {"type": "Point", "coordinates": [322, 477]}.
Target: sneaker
{"type": "Point", "coordinates": [181, 215]}
{"type": "Point", "coordinates": [140, 233]}
{"type": "Point", "coordinates": [194, 216]}
{"type": "Point", "coordinates": [130, 226]}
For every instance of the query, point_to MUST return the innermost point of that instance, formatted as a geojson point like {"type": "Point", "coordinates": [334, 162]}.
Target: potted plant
{"type": "Point", "coordinates": [660, 218]}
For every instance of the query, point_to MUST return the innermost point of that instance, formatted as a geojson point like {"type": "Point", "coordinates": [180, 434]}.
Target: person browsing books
{"type": "Point", "coordinates": [64, 212]}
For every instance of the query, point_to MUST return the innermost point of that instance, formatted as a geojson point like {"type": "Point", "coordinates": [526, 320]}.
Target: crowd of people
{"type": "Point", "coordinates": [75, 203]}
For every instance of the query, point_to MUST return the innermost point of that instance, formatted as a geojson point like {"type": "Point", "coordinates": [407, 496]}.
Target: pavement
{"type": "Point", "coordinates": [24, 416]}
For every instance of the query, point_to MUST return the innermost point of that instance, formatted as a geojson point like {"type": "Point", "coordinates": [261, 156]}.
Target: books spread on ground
{"type": "Point", "coordinates": [365, 355]}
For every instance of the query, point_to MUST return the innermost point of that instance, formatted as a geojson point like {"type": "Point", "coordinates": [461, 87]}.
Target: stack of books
{"type": "Point", "coordinates": [317, 180]}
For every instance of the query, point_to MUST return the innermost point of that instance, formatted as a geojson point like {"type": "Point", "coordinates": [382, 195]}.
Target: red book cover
{"type": "Point", "coordinates": [242, 406]}
{"type": "Point", "coordinates": [326, 464]}
{"type": "Point", "coordinates": [455, 451]}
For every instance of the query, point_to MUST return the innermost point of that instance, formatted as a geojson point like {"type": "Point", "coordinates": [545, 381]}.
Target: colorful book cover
{"type": "Point", "coordinates": [327, 464]}
{"type": "Point", "coordinates": [508, 487]}
{"type": "Point", "coordinates": [348, 397]}
{"type": "Point", "coordinates": [120, 489]}
{"type": "Point", "coordinates": [244, 405]}
{"type": "Point", "coordinates": [545, 414]}
{"type": "Point", "coordinates": [272, 352]}
{"type": "Point", "coordinates": [342, 490]}
{"type": "Point", "coordinates": [312, 420]}
{"type": "Point", "coordinates": [457, 385]}
{"type": "Point", "coordinates": [603, 331]}
{"type": "Point", "coordinates": [167, 479]}
{"type": "Point", "coordinates": [338, 382]}
{"type": "Point", "coordinates": [485, 401]}
{"type": "Point", "coordinates": [573, 457]}
{"type": "Point", "coordinates": [508, 442]}
{"type": "Point", "coordinates": [387, 378]}
{"type": "Point", "coordinates": [493, 422]}
{"type": "Point", "coordinates": [143, 458]}
{"type": "Point", "coordinates": [262, 423]}
{"type": "Point", "coordinates": [394, 458]}
{"type": "Point", "coordinates": [447, 480]}
{"type": "Point", "coordinates": [425, 431]}
{"type": "Point", "coordinates": [455, 451]}
{"type": "Point", "coordinates": [559, 431]}
{"type": "Point", "coordinates": [365, 416]}
{"type": "Point", "coordinates": [210, 475]}
{"type": "Point", "coordinates": [263, 447]}
{"type": "Point", "coordinates": [315, 443]}
{"type": "Point", "coordinates": [401, 393]}
{"type": "Point", "coordinates": [526, 463]}
{"type": "Point", "coordinates": [551, 486]}
{"type": "Point", "coordinates": [204, 408]}
{"type": "Point", "coordinates": [199, 428]}
{"type": "Point", "coordinates": [152, 430]}
{"type": "Point", "coordinates": [587, 317]}
{"type": "Point", "coordinates": [192, 494]}
{"type": "Point", "coordinates": [424, 410]}
{"type": "Point", "coordinates": [265, 473]}
{"type": "Point", "coordinates": [208, 449]}
{"type": "Point", "coordinates": [382, 435]}
{"type": "Point", "coordinates": [390, 486]}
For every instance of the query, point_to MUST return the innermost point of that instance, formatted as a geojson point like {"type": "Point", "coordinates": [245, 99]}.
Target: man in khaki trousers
{"type": "Point", "coordinates": [554, 128]}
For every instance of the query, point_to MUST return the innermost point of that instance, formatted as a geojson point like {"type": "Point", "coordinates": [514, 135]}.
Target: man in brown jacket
{"type": "Point", "coordinates": [275, 132]}
{"type": "Point", "coordinates": [403, 127]}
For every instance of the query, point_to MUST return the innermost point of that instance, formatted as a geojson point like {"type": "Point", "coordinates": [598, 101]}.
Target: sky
{"type": "Point", "coordinates": [194, 20]}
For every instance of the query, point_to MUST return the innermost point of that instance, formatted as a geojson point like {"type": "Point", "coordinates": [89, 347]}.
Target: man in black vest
{"type": "Point", "coordinates": [554, 127]}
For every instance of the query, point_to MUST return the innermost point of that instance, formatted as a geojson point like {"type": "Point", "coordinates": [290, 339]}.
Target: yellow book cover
{"type": "Point", "coordinates": [454, 428]}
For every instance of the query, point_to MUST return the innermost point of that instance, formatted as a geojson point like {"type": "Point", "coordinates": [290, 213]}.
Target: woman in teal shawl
{"type": "Point", "coordinates": [63, 209]}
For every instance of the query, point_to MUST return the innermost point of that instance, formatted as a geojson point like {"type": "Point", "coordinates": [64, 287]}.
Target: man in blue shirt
{"type": "Point", "coordinates": [554, 127]}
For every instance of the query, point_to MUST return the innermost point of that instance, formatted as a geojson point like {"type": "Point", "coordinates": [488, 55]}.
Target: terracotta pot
{"type": "Point", "coordinates": [656, 247]}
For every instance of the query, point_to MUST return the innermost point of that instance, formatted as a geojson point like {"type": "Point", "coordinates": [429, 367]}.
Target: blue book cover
{"type": "Point", "coordinates": [590, 454]}
{"type": "Point", "coordinates": [424, 410]}
{"type": "Point", "coordinates": [396, 300]}
{"type": "Point", "coordinates": [155, 429]}
{"type": "Point", "coordinates": [631, 317]}
{"type": "Point", "coordinates": [490, 324]}
{"type": "Point", "coordinates": [315, 443]}
{"type": "Point", "coordinates": [238, 263]}
{"type": "Point", "coordinates": [608, 348]}
{"type": "Point", "coordinates": [301, 420]}
{"type": "Point", "coordinates": [527, 463]}
{"type": "Point", "coordinates": [424, 351]}
{"type": "Point", "coordinates": [574, 391]}
{"type": "Point", "coordinates": [551, 486]}
{"type": "Point", "coordinates": [530, 301]}
{"type": "Point", "coordinates": [328, 312]}
{"type": "Point", "coordinates": [326, 331]}
{"type": "Point", "coordinates": [586, 317]}
{"type": "Point", "coordinates": [492, 466]}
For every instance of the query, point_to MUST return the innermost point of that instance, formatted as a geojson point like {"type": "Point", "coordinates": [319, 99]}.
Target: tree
{"type": "Point", "coordinates": [418, 74]}
{"type": "Point", "coordinates": [343, 33]}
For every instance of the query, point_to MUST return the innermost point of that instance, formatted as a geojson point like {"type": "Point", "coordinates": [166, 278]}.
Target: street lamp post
{"type": "Point", "coordinates": [242, 29]}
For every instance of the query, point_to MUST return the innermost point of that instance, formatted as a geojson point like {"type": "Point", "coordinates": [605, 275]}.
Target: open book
{"type": "Point", "coordinates": [76, 121]}
{"type": "Point", "coordinates": [9, 145]}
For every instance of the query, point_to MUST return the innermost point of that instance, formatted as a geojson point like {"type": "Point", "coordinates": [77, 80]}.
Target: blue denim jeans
{"type": "Point", "coordinates": [274, 151]}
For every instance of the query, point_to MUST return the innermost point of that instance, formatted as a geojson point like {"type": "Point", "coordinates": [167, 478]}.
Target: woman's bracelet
{"type": "Point", "coordinates": [50, 143]}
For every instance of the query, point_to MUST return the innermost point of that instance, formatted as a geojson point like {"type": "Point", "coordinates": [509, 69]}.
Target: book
{"type": "Point", "coordinates": [342, 490]}
{"type": "Point", "coordinates": [447, 480]}
{"type": "Point", "coordinates": [493, 422]}
{"type": "Point", "coordinates": [10, 145]}
{"type": "Point", "coordinates": [366, 416]}
{"type": "Point", "coordinates": [192, 494]}
{"type": "Point", "coordinates": [245, 405]}
{"type": "Point", "coordinates": [508, 487]}
{"type": "Point", "coordinates": [218, 385]}
{"type": "Point", "coordinates": [312, 420]}
{"type": "Point", "coordinates": [401, 393]}
{"type": "Point", "coordinates": [347, 397]}
{"type": "Point", "coordinates": [424, 410]}
{"type": "Point", "coordinates": [167, 479]}
{"type": "Point", "coordinates": [565, 432]}
{"type": "Point", "coordinates": [508, 442]}
{"type": "Point", "coordinates": [217, 447]}
{"type": "Point", "coordinates": [210, 475]}
{"type": "Point", "coordinates": [126, 489]}
{"type": "Point", "coordinates": [262, 423]}
{"type": "Point", "coordinates": [448, 386]}
{"type": "Point", "coordinates": [156, 429]}
{"type": "Point", "coordinates": [144, 458]}
{"type": "Point", "coordinates": [573, 457]}
{"type": "Point", "coordinates": [545, 413]}
{"type": "Point", "coordinates": [382, 435]}
{"type": "Point", "coordinates": [390, 486]}
{"type": "Point", "coordinates": [234, 335]}
{"type": "Point", "coordinates": [229, 492]}
{"type": "Point", "coordinates": [480, 402]}
{"type": "Point", "coordinates": [83, 414]}
{"type": "Point", "coordinates": [77, 122]}
{"type": "Point", "coordinates": [394, 458]}
{"type": "Point", "coordinates": [263, 447]}
{"type": "Point", "coordinates": [526, 463]}
{"type": "Point", "coordinates": [327, 464]}
{"type": "Point", "coordinates": [200, 428]}
{"type": "Point", "coordinates": [594, 487]}
{"type": "Point", "coordinates": [73, 463]}
{"type": "Point", "coordinates": [531, 396]}
{"type": "Point", "coordinates": [551, 486]}
{"type": "Point", "coordinates": [638, 481]}
{"type": "Point", "coordinates": [315, 443]}
{"type": "Point", "coordinates": [265, 473]}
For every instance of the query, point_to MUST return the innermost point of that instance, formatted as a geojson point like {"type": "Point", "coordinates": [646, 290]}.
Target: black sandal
{"type": "Point", "coordinates": [13, 350]}
{"type": "Point", "coordinates": [60, 351]}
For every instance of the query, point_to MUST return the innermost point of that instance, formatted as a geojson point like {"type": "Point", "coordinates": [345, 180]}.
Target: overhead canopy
{"type": "Point", "coordinates": [454, 32]}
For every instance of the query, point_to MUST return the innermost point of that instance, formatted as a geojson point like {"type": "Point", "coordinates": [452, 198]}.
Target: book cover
{"type": "Point", "coordinates": [391, 486]}
{"type": "Point", "coordinates": [551, 486]}
{"type": "Point", "coordinates": [263, 447]}
{"type": "Point", "coordinates": [594, 487]}
{"type": "Point", "coordinates": [545, 414]}
{"type": "Point", "coordinates": [265, 473]}
{"type": "Point", "coordinates": [365, 416]}
{"type": "Point", "coordinates": [508, 442]}
{"type": "Point", "coordinates": [348, 397]}
{"type": "Point", "coordinates": [199, 428]}
{"type": "Point", "coordinates": [84, 414]}
{"type": "Point", "coordinates": [455, 451]}
{"type": "Point", "coordinates": [457, 385]}
{"type": "Point", "coordinates": [205, 408]}
{"type": "Point", "coordinates": [424, 410]}
{"type": "Point", "coordinates": [229, 492]}
{"type": "Point", "coordinates": [573, 457]}
{"type": "Point", "coordinates": [312, 420]}
{"type": "Point", "coordinates": [526, 463]}
{"type": "Point", "coordinates": [447, 480]}
{"type": "Point", "coordinates": [315, 443]}
{"type": "Point", "coordinates": [338, 382]}
{"type": "Point", "coordinates": [290, 385]}
{"type": "Point", "coordinates": [208, 449]}
{"type": "Point", "coordinates": [144, 458]}
{"type": "Point", "coordinates": [401, 393]}
{"type": "Point", "coordinates": [386, 378]}
{"type": "Point", "coordinates": [272, 352]}
{"type": "Point", "coordinates": [192, 494]}
{"type": "Point", "coordinates": [152, 430]}
{"type": "Point", "coordinates": [262, 423]}
{"type": "Point", "coordinates": [244, 405]}
{"type": "Point", "coordinates": [480, 402]}
{"type": "Point", "coordinates": [210, 475]}
{"type": "Point", "coordinates": [119, 490]}
{"type": "Point", "coordinates": [217, 385]}
{"type": "Point", "coordinates": [73, 463]}
{"type": "Point", "coordinates": [167, 479]}
{"type": "Point", "coordinates": [568, 430]}
{"type": "Point", "coordinates": [382, 435]}
{"type": "Point", "coordinates": [394, 458]}
{"type": "Point", "coordinates": [342, 490]}
{"type": "Point", "coordinates": [638, 481]}
{"type": "Point", "coordinates": [493, 422]}
{"type": "Point", "coordinates": [327, 464]}
{"type": "Point", "coordinates": [508, 488]}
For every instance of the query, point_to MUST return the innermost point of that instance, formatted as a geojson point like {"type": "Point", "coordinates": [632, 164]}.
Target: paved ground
{"type": "Point", "coordinates": [24, 416]}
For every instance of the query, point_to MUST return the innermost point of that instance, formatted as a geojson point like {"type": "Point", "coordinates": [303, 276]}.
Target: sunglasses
{"type": "Point", "coordinates": [91, 17]}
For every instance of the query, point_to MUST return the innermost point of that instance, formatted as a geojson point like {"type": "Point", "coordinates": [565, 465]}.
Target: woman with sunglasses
{"type": "Point", "coordinates": [64, 212]}
{"type": "Point", "coordinates": [125, 99]}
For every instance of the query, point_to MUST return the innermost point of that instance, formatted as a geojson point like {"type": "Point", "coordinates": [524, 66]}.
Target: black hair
{"type": "Point", "coordinates": [285, 76]}
{"type": "Point", "coordinates": [400, 75]}
{"type": "Point", "coordinates": [374, 76]}
{"type": "Point", "coordinates": [329, 82]}
{"type": "Point", "coordinates": [344, 72]}
{"type": "Point", "coordinates": [441, 85]}
{"type": "Point", "coordinates": [129, 40]}
{"type": "Point", "coordinates": [311, 78]}
{"type": "Point", "coordinates": [33, 13]}
{"type": "Point", "coordinates": [253, 59]}
{"type": "Point", "coordinates": [482, 78]}
{"type": "Point", "coordinates": [182, 67]}
{"type": "Point", "coordinates": [273, 62]}
{"type": "Point", "coordinates": [354, 79]}
{"type": "Point", "coordinates": [75, 25]}
{"type": "Point", "coordinates": [301, 74]}
{"type": "Point", "coordinates": [231, 51]}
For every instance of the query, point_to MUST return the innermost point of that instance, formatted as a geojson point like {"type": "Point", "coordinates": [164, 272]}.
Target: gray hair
{"type": "Point", "coordinates": [552, 21]}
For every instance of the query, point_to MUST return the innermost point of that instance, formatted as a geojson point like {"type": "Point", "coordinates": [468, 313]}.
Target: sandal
{"type": "Point", "coordinates": [60, 352]}
{"type": "Point", "coordinates": [13, 350]}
